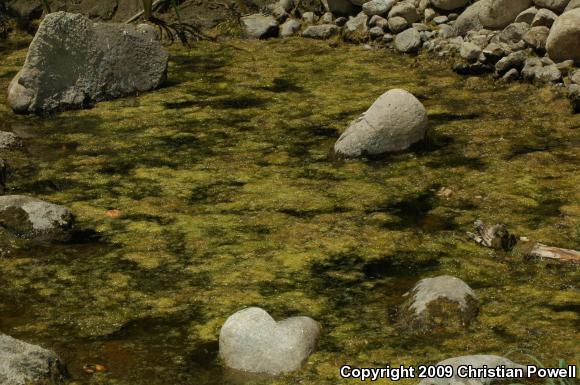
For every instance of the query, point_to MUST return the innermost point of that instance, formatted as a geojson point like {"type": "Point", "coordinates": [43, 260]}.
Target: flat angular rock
{"type": "Point", "coordinates": [475, 361]}
{"type": "Point", "coordinates": [356, 28]}
{"type": "Point", "coordinates": [394, 122]}
{"type": "Point", "coordinates": [252, 341]}
{"type": "Point", "coordinates": [259, 26]}
{"type": "Point", "coordinates": [73, 63]}
{"type": "Point", "coordinates": [33, 218]}
{"type": "Point", "coordinates": [439, 303]}
{"type": "Point", "coordinates": [514, 32]}
{"type": "Point", "coordinates": [564, 39]}
{"type": "Point", "coordinates": [408, 41]}
{"type": "Point", "coordinates": [536, 38]}
{"type": "Point", "coordinates": [323, 31]}
{"type": "Point", "coordinates": [22, 363]}
{"type": "Point", "coordinates": [289, 28]}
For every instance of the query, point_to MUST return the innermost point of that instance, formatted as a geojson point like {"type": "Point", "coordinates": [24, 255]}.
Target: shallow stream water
{"type": "Point", "coordinates": [220, 191]}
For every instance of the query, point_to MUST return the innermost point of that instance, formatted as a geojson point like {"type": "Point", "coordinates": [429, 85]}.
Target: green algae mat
{"type": "Point", "coordinates": [220, 191]}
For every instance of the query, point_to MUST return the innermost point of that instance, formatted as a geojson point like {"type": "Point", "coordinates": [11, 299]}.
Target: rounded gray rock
{"type": "Point", "coordinates": [449, 5]}
{"type": "Point", "coordinates": [564, 39]}
{"type": "Point", "coordinates": [394, 122]}
{"type": "Point", "coordinates": [252, 341]}
{"type": "Point", "coordinates": [378, 7]}
{"type": "Point", "coordinates": [323, 31]}
{"type": "Point", "coordinates": [289, 28]}
{"type": "Point", "coordinates": [406, 11]}
{"type": "Point", "coordinates": [527, 16]}
{"type": "Point", "coordinates": [33, 218]}
{"type": "Point", "coordinates": [469, 19]}
{"type": "Point", "coordinates": [497, 14]}
{"type": "Point", "coordinates": [259, 26]}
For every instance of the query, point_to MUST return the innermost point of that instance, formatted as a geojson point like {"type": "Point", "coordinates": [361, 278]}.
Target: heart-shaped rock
{"type": "Point", "coordinates": [252, 341]}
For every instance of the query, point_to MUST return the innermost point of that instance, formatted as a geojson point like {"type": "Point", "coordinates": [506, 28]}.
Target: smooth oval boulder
{"type": "Point", "coordinates": [32, 218]}
{"type": "Point", "coordinates": [497, 14]}
{"type": "Point", "coordinates": [22, 363]}
{"type": "Point", "coordinates": [252, 341]}
{"type": "Point", "coordinates": [557, 6]}
{"type": "Point", "coordinates": [564, 39]}
{"type": "Point", "coordinates": [394, 122]}
{"type": "Point", "coordinates": [439, 303]}
{"type": "Point", "coordinates": [73, 62]}
{"type": "Point", "coordinates": [475, 361]}
{"type": "Point", "coordinates": [468, 20]}
{"type": "Point", "coordinates": [449, 5]}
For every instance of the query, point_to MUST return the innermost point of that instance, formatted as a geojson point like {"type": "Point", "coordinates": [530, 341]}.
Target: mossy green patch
{"type": "Point", "coordinates": [220, 191]}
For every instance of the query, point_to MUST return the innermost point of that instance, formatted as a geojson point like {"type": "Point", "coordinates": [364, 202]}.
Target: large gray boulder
{"type": "Point", "coordinates": [9, 140]}
{"type": "Point", "coordinates": [476, 362]}
{"type": "Point", "coordinates": [252, 341]}
{"type": "Point", "coordinates": [258, 26]}
{"type": "Point", "coordinates": [557, 6]}
{"type": "Point", "coordinates": [564, 39]}
{"type": "Point", "coordinates": [22, 363]}
{"type": "Point", "coordinates": [323, 31]}
{"type": "Point", "coordinates": [468, 20]}
{"type": "Point", "coordinates": [394, 122]}
{"type": "Point", "coordinates": [73, 63]}
{"type": "Point", "coordinates": [33, 218]}
{"type": "Point", "coordinates": [497, 14]}
{"type": "Point", "coordinates": [449, 5]}
{"type": "Point", "coordinates": [408, 41]}
{"type": "Point", "coordinates": [442, 302]}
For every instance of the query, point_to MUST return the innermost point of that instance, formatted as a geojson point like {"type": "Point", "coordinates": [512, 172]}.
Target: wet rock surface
{"type": "Point", "coordinates": [439, 303]}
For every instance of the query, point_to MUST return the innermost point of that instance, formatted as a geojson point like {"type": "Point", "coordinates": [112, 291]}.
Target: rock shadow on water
{"type": "Point", "coordinates": [236, 102]}
{"type": "Point", "coordinates": [414, 212]}
{"type": "Point", "coordinates": [282, 85]}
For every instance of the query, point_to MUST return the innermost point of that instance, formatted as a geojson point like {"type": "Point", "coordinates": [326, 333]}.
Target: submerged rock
{"type": "Point", "coordinates": [22, 363]}
{"type": "Point", "coordinates": [440, 302]}
{"type": "Point", "coordinates": [33, 218]}
{"type": "Point", "coordinates": [476, 362]}
{"type": "Point", "coordinates": [259, 26]}
{"type": "Point", "coordinates": [564, 39]}
{"type": "Point", "coordinates": [394, 122]}
{"type": "Point", "coordinates": [73, 63]}
{"type": "Point", "coordinates": [252, 341]}
{"type": "Point", "coordinates": [9, 140]}
{"type": "Point", "coordinates": [3, 175]}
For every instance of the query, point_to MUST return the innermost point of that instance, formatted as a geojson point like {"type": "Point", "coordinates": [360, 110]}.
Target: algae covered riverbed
{"type": "Point", "coordinates": [220, 191]}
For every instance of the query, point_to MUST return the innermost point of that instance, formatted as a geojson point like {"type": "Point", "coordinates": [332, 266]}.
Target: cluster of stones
{"type": "Point", "coordinates": [533, 40]}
